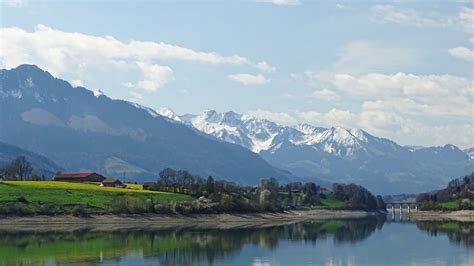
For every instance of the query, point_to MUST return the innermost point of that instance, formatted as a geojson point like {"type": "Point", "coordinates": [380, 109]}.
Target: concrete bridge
{"type": "Point", "coordinates": [402, 206]}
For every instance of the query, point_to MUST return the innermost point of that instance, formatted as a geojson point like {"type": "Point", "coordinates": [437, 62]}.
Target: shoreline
{"type": "Point", "coordinates": [157, 221]}
{"type": "Point", "coordinates": [459, 216]}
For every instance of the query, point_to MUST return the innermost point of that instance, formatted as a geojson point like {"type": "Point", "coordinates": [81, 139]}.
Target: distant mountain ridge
{"type": "Point", "coordinates": [41, 165]}
{"type": "Point", "coordinates": [84, 130]}
{"type": "Point", "coordinates": [335, 154]}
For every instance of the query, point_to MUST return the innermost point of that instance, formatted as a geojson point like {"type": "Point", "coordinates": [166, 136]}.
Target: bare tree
{"type": "Point", "coordinates": [18, 169]}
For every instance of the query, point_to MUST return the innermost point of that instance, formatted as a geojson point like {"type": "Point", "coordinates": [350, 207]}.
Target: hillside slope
{"type": "Point", "coordinates": [83, 130]}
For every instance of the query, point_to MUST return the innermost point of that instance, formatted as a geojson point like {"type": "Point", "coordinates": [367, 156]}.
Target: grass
{"type": "Point", "coordinates": [331, 202]}
{"type": "Point", "coordinates": [450, 205]}
{"type": "Point", "coordinates": [65, 196]}
{"type": "Point", "coordinates": [450, 226]}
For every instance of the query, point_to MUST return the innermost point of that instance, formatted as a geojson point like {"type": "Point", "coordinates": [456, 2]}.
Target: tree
{"type": "Point", "coordinates": [18, 169]}
{"type": "Point", "coordinates": [310, 191]}
{"type": "Point", "coordinates": [269, 183]}
{"type": "Point", "coordinates": [167, 178]}
{"type": "Point", "coordinates": [210, 185]}
{"type": "Point", "coordinates": [380, 203]}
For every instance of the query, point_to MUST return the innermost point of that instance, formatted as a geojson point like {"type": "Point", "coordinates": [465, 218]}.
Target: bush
{"type": "Point", "coordinates": [183, 207]}
{"type": "Point", "coordinates": [20, 208]}
{"type": "Point", "coordinates": [163, 209]}
{"type": "Point", "coordinates": [80, 211]}
{"type": "Point", "coordinates": [133, 205]}
{"type": "Point", "coordinates": [119, 205]}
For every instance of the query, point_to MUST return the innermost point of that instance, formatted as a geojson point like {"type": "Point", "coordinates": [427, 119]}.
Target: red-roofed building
{"type": "Point", "coordinates": [112, 182]}
{"type": "Point", "coordinates": [79, 177]}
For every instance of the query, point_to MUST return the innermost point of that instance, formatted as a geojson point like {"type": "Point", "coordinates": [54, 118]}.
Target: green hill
{"type": "Point", "coordinates": [48, 197]}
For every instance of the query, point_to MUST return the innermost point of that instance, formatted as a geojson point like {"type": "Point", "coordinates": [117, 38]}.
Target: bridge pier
{"type": "Point", "coordinates": [408, 208]}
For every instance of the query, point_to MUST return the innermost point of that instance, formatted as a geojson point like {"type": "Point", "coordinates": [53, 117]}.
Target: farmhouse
{"type": "Point", "coordinates": [112, 182]}
{"type": "Point", "coordinates": [149, 185]}
{"type": "Point", "coordinates": [79, 177]}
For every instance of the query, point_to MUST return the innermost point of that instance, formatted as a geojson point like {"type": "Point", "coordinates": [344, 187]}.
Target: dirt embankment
{"type": "Point", "coordinates": [150, 222]}
{"type": "Point", "coordinates": [461, 216]}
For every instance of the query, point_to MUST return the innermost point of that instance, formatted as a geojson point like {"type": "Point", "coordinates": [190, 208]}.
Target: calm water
{"type": "Point", "coordinates": [375, 241]}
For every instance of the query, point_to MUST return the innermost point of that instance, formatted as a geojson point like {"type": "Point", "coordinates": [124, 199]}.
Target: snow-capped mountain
{"type": "Point", "coordinates": [82, 130]}
{"type": "Point", "coordinates": [259, 135]}
{"type": "Point", "coordinates": [470, 152]}
{"type": "Point", "coordinates": [167, 112]}
{"type": "Point", "coordinates": [335, 154]}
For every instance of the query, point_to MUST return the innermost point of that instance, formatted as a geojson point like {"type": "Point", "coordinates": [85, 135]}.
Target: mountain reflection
{"type": "Point", "coordinates": [170, 247]}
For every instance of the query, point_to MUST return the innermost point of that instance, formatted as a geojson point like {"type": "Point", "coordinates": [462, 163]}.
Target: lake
{"type": "Point", "coordinates": [368, 241]}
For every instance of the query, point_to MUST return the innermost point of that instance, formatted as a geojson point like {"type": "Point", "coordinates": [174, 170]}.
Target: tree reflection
{"type": "Point", "coordinates": [172, 247]}
{"type": "Point", "coordinates": [457, 232]}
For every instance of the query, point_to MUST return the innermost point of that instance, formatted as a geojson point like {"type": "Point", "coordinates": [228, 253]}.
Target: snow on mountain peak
{"type": "Point", "coordinates": [97, 93]}
{"type": "Point", "coordinates": [167, 112]}
{"type": "Point", "coordinates": [150, 111]}
{"type": "Point", "coordinates": [259, 135]}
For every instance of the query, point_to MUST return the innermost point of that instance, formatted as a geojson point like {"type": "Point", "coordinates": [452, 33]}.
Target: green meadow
{"type": "Point", "coordinates": [63, 197]}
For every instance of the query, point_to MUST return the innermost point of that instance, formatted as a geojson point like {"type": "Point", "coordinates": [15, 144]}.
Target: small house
{"type": "Point", "coordinates": [79, 177]}
{"type": "Point", "coordinates": [112, 182]}
{"type": "Point", "coordinates": [149, 185]}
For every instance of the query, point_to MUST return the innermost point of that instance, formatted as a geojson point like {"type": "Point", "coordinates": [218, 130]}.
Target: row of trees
{"type": "Point", "coordinates": [268, 196]}
{"type": "Point", "coordinates": [19, 169]}
{"type": "Point", "coordinates": [358, 197]}
{"type": "Point", "coordinates": [222, 195]}
{"type": "Point", "coordinates": [461, 189]}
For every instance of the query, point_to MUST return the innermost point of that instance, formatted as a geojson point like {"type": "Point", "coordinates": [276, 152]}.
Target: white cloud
{"type": "Point", "coordinates": [325, 94]}
{"type": "Point", "coordinates": [278, 117]}
{"type": "Point", "coordinates": [444, 95]}
{"type": "Point", "coordinates": [409, 17]}
{"type": "Point", "coordinates": [82, 56]}
{"type": "Point", "coordinates": [283, 2]}
{"type": "Point", "coordinates": [154, 76]}
{"type": "Point", "coordinates": [466, 19]}
{"type": "Point", "coordinates": [380, 122]}
{"type": "Point", "coordinates": [363, 56]}
{"type": "Point", "coordinates": [406, 17]}
{"type": "Point", "coordinates": [128, 84]}
{"type": "Point", "coordinates": [399, 106]}
{"type": "Point", "coordinates": [342, 6]}
{"type": "Point", "coordinates": [265, 67]}
{"type": "Point", "coordinates": [58, 48]}
{"type": "Point", "coordinates": [135, 96]}
{"type": "Point", "coordinates": [15, 3]}
{"type": "Point", "coordinates": [462, 53]}
{"type": "Point", "coordinates": [249, 79]}
{"type": "Point", "coordinates": [77, 83]}
{"type": "Point", "coordinates": [333, 117]}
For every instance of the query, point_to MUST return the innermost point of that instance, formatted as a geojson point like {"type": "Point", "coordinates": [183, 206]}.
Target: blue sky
{"type": "Point", "coordinates": [398, 69]}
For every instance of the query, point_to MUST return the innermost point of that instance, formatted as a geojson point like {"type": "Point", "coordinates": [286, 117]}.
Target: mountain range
{"type": "Point", "coordinates": [335, 154]}
{"type": "Point", "coordinates": [82, 130]}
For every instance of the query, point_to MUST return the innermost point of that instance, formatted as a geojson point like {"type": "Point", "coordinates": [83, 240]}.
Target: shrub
{"type": "Point", "coordinates": [80, 211]}
{"type": "Point", "coordinates": [163, 209]}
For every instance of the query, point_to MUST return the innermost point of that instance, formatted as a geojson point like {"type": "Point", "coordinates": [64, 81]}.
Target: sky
{"type": "Point", "coordinates": [398, 69]}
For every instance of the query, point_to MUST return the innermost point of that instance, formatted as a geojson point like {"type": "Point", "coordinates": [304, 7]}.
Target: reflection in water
{"type": "Point", "coordinates": [171, 247]}
{"type": "Point", "coordinates": [457, 232]}
{"type": "Point", "coordinates": [190, 246]}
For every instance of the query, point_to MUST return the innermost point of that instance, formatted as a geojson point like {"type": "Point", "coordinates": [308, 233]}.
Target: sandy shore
{"type": "Point", "coordinates": [157, 222]}
{"type": "Point", "coordinates": [461, 216]}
